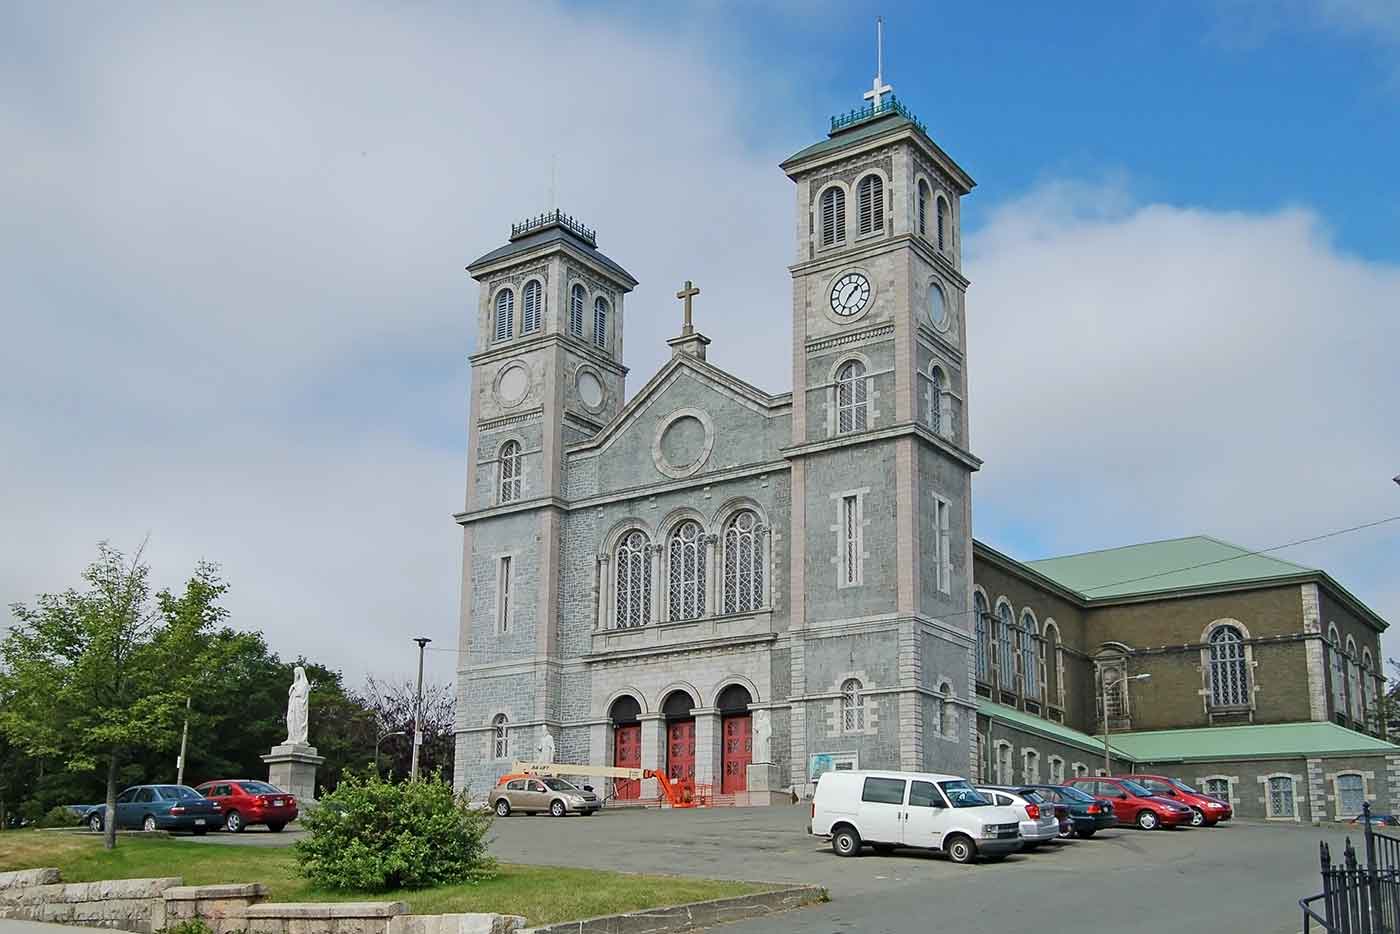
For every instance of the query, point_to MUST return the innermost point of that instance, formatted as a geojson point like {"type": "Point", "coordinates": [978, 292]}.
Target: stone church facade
{"type": "Point", "coordinates": [741, 588]}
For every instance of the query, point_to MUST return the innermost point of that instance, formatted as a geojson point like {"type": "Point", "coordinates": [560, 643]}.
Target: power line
{"type": "Point", "coordinates": [1190, 567]}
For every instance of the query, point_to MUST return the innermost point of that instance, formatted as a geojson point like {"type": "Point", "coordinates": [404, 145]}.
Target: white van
{"type": "Point", "coordinates": [914, 809]}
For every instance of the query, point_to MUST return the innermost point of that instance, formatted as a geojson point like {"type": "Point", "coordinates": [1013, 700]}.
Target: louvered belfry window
{"type": "Point", "coordinates": [923, 207]}
{"type": "Point", "coordinates": [1229, 674]}
{"type": "Point", "coordinates": [851, 412]}
{"type": "Point", "coordinates": [833, 209]}
{"type": "Point", "coordinates": [743, 564]}
{"type": "Point", "coordinates": [686, 574]}
{"type": "Point", "coordinates": [871, 195]}
{"type": "Point", "coordinates": [633, 585]}
{"type": "Point", "coordinates": [505, 314]}
{"type": "Point", "coordinates": [576, 300]}
{"type": "Point", "coordinates": [942, 224]}
{"type": "Point", "coordinates": [600, 322]}
{"type": "Point", "coordinates": [530, 321]}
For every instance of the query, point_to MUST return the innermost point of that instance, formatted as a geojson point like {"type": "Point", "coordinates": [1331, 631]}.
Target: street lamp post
{"type": "Point", "coordinates": [418, 708]}
{"type": "Point", "coordinates": [376, 748]}
{"type": "Point", "coordinates": [1145, 676]}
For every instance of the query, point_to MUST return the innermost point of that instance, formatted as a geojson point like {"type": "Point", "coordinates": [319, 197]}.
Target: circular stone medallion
{"type": "Point", "coordinates": [683, 442]}
{"type": "Point", "coordinates": [512, 384]}
{"type": "Point", "coordinates": [590, 390]}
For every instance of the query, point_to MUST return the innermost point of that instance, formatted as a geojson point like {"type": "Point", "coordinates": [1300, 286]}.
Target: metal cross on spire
{"type": "Point", "coordinates": [878, 87]}
{"type": "Point", "coordinates": [685, 295]}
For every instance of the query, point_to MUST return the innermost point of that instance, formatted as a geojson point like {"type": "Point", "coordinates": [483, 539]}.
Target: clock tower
{"type": "Point", "coordinates": [881, 466]}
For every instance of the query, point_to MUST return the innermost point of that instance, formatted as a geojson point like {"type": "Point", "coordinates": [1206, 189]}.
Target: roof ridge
{"type": "Point", "coordinates": [1099, 551]}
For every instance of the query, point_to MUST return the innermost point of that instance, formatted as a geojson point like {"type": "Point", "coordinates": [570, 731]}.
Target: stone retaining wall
{"type": "Point", "coordinates": [120, 904]}
{"type": "Point", "coordinates": [694, 915]}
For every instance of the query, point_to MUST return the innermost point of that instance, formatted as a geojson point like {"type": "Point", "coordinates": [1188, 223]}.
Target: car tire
{"type": "Point", "coordinates": [960, 849]}
{"type": "Point", "coordinates": [503, 808]}
{"type": "Point", "coordinates": [275, 827]}
{"type": "Point", "coordinates": [883, 849]}
{"type": "Point", "coordinates": [846, 842]}
{"type": "Point", "coordinates": [94, 823]}
{"type": "Point", "coordinates": [149, 824]}
{"type": "Point", "coordinates": [1086, 834]}
{"type": "Point", "coordinates": [557, 809]}
{"type": "Point", "coordinates": [234, 823]}
{"type": "Point", "coordinates": [1148, 820]}
{"type": "Point", "coordinates": [1198, 819]}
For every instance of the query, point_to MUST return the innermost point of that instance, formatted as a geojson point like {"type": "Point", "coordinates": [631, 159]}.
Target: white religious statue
{"type": "Point", "coordinates": [544, 752]}
{"type": "Point", "coordinates": [762, 737]}
{"type": "Point", "coordinates": [297, 710]}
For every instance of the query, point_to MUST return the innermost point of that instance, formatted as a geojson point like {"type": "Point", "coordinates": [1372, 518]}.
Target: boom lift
{"type": "Point", "coordinates": [679, 794]}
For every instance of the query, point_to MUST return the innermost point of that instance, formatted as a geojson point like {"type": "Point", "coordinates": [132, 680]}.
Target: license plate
{"type": "Point", "coordinates": [277, 802]}
{"type": "Point", "coordinates": [199, 822]}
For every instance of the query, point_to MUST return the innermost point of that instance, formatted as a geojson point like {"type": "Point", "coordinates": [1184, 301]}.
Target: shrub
{"type": "Point", "coordinates": [57, 816]}
{"type": "Point", "coordinates": [370, 835]}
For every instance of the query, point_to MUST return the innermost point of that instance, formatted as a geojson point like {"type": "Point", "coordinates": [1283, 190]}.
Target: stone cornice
{"type": "Point", "coordinates": [901, 430]}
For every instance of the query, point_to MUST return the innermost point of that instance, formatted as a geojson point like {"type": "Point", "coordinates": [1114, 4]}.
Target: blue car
{"type": "Point", "coordinates": [1088, 815]}
{"type": "Point", "coordinates": [161, 807]}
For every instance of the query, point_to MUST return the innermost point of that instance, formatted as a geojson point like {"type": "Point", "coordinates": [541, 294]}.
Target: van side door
{"type": "Point", "coordinates": [880, 818]}
{"type": "Point", "coordinates": [926, 816]}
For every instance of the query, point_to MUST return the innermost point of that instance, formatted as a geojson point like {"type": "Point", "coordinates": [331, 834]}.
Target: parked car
{"type": "Point", "coordinates": [884, 810]}
{"type": "Point", "coordinates": [1379, 820]}
{"type": "Point", "coordinates": [245, 802]}
{"type": "Point", "coordinates": [535, 795]}
{"type": "Point", "coordinates": [1038, 821]}
{"type": "Point", "coordinates": [161, 807]}
{"type": "Point", "coordinates": [80, 812]}
{"type": "Point", "coordinates": [1207, 810]}
{"type": "Point", "coordinates": [1134, 804]}
{"type": "Point", "coordinates": [1087, 814]}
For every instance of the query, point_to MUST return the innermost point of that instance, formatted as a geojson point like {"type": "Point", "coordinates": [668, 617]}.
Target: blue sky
{"type": "Point", "coordinates": [237, 319]}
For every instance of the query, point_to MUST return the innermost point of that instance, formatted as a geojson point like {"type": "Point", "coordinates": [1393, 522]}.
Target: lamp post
{"type": "Point", "coordinates": [418, 709]}
{"type": "Point", "coordinates": [376, 747]}
{"type": "Point", "coordinates": [1145, 676]}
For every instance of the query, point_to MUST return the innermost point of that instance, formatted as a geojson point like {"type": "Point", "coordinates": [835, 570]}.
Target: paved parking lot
{"type": "Point", "coordinates": [1235, 877]}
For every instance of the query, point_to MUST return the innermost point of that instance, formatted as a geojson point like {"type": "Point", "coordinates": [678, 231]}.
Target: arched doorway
{"type": "Point", "coordinates": [627, 744]}
{"type": "Point", "coordinates": [680, 736]}
{"type": "Point", "coordinates": [736, 751]}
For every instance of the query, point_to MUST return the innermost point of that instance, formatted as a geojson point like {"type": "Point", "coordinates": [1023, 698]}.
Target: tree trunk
{"type": "Point", "coordinates": [109, 826]}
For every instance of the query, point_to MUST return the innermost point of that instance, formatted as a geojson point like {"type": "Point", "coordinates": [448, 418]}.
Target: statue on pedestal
{"type": "Point", "coordinates": [544, 752]}
{"type": "Point", "coordinates": [298, 712]}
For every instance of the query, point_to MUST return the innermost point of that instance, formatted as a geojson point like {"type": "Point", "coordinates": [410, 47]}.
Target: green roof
{"type": "Point", "coordinates": [1177, 564]}
{"type": "Point", "coordinates": [1047, 728]}
{"type": "Point", "coordinates": [1259, 741]}
{"type": "Point", "coordinates": [857, 133]}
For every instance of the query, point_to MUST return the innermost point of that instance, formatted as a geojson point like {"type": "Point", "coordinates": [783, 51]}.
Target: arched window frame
{"type": "Point", "coordinates": [1228, 665]}
{"type": "Point", "coordinates": [936, 415]}
{"type": "Point", "coordinates": [1280, 796]}
{"type": "Point", "coordinates": [1110, 672]}
{"type": "Point", "coordinates": [744, 562]}
{"type": "Point", "coordinates": [1057, 770]}
{"type": "Point", "coordinates": [870, 205]}
{"type": "Point", "coordinates": [1346, 810]}
{"type": "Point", "coordinates": [831, 216]}
{"type": "Point", "coordinates": [1030, 766]}
{"type": "Point", "coordinates": [578, 298]}
{"type": "Point", "coordinates": [1353, 663]}
{"type": "Point", "coordinates": [532, 306]}
{"type": "Point", "coordinates": [982, 610]}
{"type": "Point", "coordinates": [1337, 669]}
{"type": "Point", "coordinates": [500, 737]}
{"type": "Point", "coordinates": [504, 328]}
{"type": "Point", "coordinates": [1054, 662]}
{"type": "Point", "coordinates": [600, 322]}
{"type": "Point", "coordinates": [1368, 688]}
{"type": "Point", "coordinates": [1030, 654]}
{"type": "Point", "coordinates": [852, 706]}
{"type": "Point", "coordinates": [947, 712]}
{"type": "Point", "coordinates": [1006, 645]}
{"type": "Point", "coordinates": [1004, 764]}
{"type": "Point", "coordinates": [943, 213]}
{"type": "Point", "coordinates": [851, 397]}
{"type": "Point", "coordinates": [632, 580]}
{"type": "Point", "coordinates": [511, 465]}
{"type": "Point", "coordinates": [686, 577]}
{"type": "Point", "coordinates": [923, 197]}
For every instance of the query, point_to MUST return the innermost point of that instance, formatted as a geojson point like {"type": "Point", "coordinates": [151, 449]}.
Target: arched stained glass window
{"type": "Point", "coordinates": [633, 584]}
{"type": "Point", "coordinates": [979, 606]}
{"type": "Point", "coordinates": [1030, 656]}
{"type": "Point", "coordinates": [1338, 669]}
{"type": "Point", "coordinates": [1229, 675]}
{"type": "Point", "coordinates": [934, 403]}
{"type": "Point", "coordinates": [851, 409]}
{"type": "Point", "coordinates": [852, 706]}
{"type": "Point", "coordinates": [743, 564]}
{"type": "Point", "coordinates": [686, 571]}
{"type": "Point", "coordinates": [1006, 651]}
{"type": "Point", "coordinates": [501, 737]}
{"type": "Point", "coordinates": [510, 471]}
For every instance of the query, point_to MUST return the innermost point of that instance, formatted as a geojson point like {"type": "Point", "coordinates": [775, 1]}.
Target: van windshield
{"type": "Point", "coordinates": [963, 795]}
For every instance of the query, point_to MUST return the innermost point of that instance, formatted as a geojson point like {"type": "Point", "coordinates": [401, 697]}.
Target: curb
{"type": "Point", "coordinates": [692, 915]}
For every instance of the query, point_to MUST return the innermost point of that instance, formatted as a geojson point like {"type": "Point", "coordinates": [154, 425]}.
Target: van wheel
{"type": "Point", "coordinates": [1147, 820]}
{"type": "Point", "coordinates": [960, 849]}
{"type": "Point", "coordinates": [883, 849]}
{"type": "Point", "coordinates": [846, 842]}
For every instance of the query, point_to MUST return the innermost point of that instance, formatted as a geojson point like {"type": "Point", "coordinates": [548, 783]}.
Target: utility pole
{"type": "Point", "coordinates": [418, 710]}
{"type": "Point", "coordinates": [184, 738]}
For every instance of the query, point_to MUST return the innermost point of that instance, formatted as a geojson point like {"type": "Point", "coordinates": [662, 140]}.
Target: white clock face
{"type": "Point", "coordinates": [850, 294]}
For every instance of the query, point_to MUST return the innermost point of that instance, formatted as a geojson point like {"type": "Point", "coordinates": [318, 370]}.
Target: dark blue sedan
{"type": "Point", "coordinates": [162, 807]}
{"type": "Point", "coordinates": [1088, 815]}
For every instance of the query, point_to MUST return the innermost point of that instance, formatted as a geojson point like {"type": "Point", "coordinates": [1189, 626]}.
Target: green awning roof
{"type": "Point", "coordinates": [1047, 728]}
{"type": "Point", "coordinates": [1177, 564]}
{"type": "Point", "coordinates": [1259, 741]}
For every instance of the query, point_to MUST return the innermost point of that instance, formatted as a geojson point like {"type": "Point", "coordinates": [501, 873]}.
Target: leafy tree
{"type": "Point", "coordinates": [95, 677]}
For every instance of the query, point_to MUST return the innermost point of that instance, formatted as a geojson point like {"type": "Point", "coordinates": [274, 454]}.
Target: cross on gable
{"type": "Point", "coordinates": [685, 295]}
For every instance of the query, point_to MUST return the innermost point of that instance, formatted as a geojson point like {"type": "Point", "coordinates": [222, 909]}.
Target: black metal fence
{"type": "Point", "coordinates": [1358, 899]}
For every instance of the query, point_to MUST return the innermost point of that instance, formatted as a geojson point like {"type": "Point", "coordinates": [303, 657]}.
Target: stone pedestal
{"type": "Point", "coordinates": [292, 767]}
{"type": "Point", "coordinates": [766, 785]}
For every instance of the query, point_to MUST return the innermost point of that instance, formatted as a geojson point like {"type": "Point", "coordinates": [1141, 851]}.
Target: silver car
{"type": "Point", "coordinates": [536, 795]}
{"type": "Point", "coordinates": [1034, 830]}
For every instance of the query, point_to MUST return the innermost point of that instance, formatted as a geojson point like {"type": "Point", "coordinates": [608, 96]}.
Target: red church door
{"type": "Point", "coordinates": [736, 754]}
{"type": "Point", "coordinates": [627, 754]}
{"type": "Point", "coordinates": [680, 750]}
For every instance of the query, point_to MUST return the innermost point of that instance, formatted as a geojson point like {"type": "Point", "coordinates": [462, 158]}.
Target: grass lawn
{"type": "Point", "coordinates": [542, 894]}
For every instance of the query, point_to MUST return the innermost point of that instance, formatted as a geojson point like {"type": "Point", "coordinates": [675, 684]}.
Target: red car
{"type": "Point", "coordinates": [1134, 804]}
{"type": "Point", "coordinates": [1206, 810]}
{"type": "Point", "coordinates": [244, 802]}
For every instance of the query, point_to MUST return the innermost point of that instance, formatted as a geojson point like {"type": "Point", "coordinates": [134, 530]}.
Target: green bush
{"type": "Point", "coordinates": [57, 817]}
{"type": "Point", "coordinates": [370, 835]}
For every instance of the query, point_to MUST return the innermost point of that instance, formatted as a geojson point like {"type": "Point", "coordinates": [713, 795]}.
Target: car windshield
{"type": "Point", "coordinates": [177, 792]}
{"type": "Point", "coordinates": [1133, 788]}
{"type": "Point", "coordinates": [1182, 786]}
{"type": "Point", "coordinates": [558, 784]}
{"type": "Point", "coordinates": [259, 788]}
{"type": "Point", "coordinates": [963, 795]}
{"type": "Point", "coordinates": [1069, 791]}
